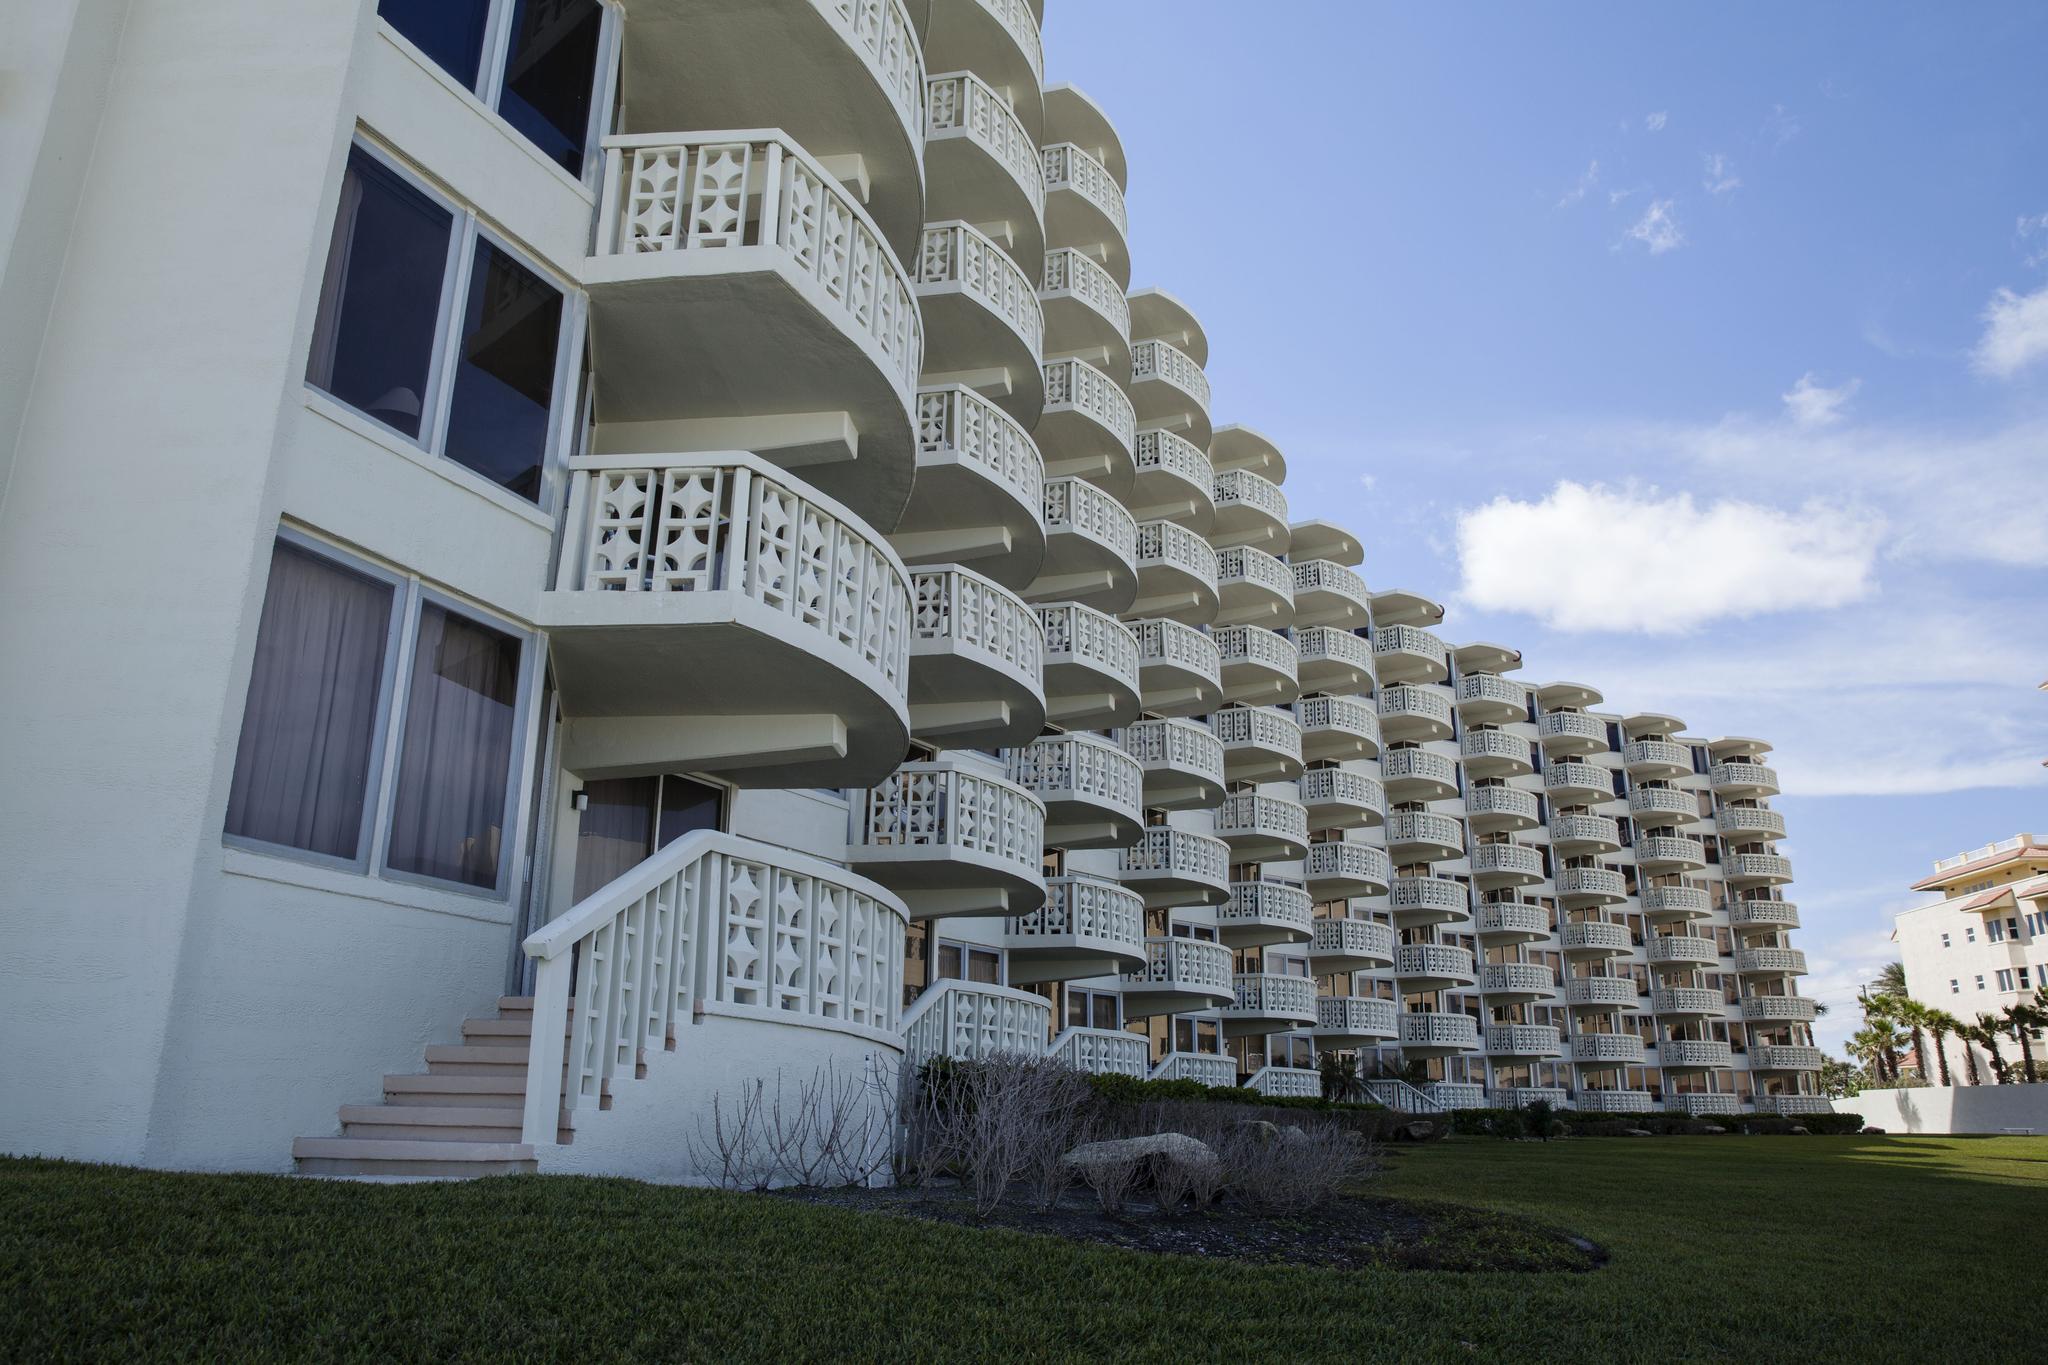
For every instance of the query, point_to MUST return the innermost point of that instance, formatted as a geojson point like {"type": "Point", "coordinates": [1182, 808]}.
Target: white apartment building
{"type": "Point", "coordinates": [562, 556]}
{"type": "Point", "coordinates": [1984, 945]}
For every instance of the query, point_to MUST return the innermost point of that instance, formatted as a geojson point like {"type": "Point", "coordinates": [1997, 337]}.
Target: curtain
{"type": "Point", "coordinates": [302, 768]}
{"type": "Point", "coordinates": [340, 247]}
{"type": "Point", "coordinates": [615, 832]}
{"type": "Point", "coordinates": [455, 764]}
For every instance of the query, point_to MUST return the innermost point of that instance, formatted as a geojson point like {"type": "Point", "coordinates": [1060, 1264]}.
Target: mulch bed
{"type": "Point", "coordinates": [1353, 1233]}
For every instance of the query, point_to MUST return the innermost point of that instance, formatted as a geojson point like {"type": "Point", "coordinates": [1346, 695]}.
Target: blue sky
{"type": "Point", "coordinates": [1748, 304]}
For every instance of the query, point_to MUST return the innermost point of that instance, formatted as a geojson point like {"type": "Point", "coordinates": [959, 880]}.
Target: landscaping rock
{"type": "Point", "coordinates": [1875, 1130]}
{"type": "Point", "coordinates": [1637, 1132]}
{"type": "Point", "coordinates": [1260, 1129]}
{"type": "Point", "coordinates": [1421, 1130]}
{"type": "Point", "coordinates": [1167, 1146]}
{"type": "Point", "coordinates": [1802, 1132]}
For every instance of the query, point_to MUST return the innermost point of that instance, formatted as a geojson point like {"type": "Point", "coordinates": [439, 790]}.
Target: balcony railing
{"type": "Point", "coordinates": [1703, 1105]}
{"type": "Point", "coordinates": [1157, 361]}
{"type": "Point", "coordinates": [1601, 831]}
{"type": "Point", "coordinates": [941, 828]}
{"type": "Point", "coordinates": [1091, 665]}
{"type": "Point", "coordinates": [1327, 593]}
{"type": "Point", "coordinates": [1592, 883]}
{"type": "Point", "coordinates": [1762, 867]}
{"type": "Point", "coordinates": [956, 425]}
{"type": "Point", "coordinates": [1354, 1017]}
{"type": "Point", "coordinates": [1094, 792]}
{"type": "Point", "coordinates": [1180, 668]}
{"type": "Point", "coordinates": [1512, 861]}
{"type": "Point", "coordinates": [1611, 1101]}
{"type": "Point", "coordinates": [971, 1021]}
{"type": "Point", "coordinates": [1658, 754]}
{"type": "Point", "coordinates": [1269, 823]}
{"type": "Point", "coordinates": [1624, 1049]}
{"type": "Point", "coordinates": [1677, 902]}
{"type": "Point", "coordinates": [1072, 274]}
{"type": "Point", "coordinates": [1338, 798]}
{"type": "Point", "coordinates": [1256, 664]}
{"type": "Point", "coordinates": [1793, 1106]}
{"type": "Point", "coordinates": [1672, 801]}
{"type": "Point", "coordinates": [1414, 712]}
{"type": "Point", "coordinates": [1187, 863]}
{"type": "Point", "coordinates": [1481, 689]}
{"type": "Point", "coordinates": [1523, 1040]}
{"type": "Point", "coordinates": [961, 104]}
{"type": "Point", "coordinates": [1770, 961]}
{"type": "Point", "coordinates": [1511, 920]}
{"type": "Point", "coordinates": [1075, 387]}
{"type": "Point", "coordinates": [1595, 936]}
{"type": "Point", "coordinates": [1160, 452]}
{"type": "Point", "coordinates": [1103, 1052]}
{"type": "Point", "coordinates": [1778, 1009]}
{"type": "Point", "coordinates": [1082, 910]}
{"type": "Point", "coordinates": [1744, 777]}
{"type": "Point", "coordinates": [1435, 836]}
{"type": "Point", "coordinates": [1262, 912]}
{"type": "Point", "coordinates": [1687, 1000]}
{"type": "Point", "coordinates": [1176, 573]}
{"type": "Point", "coordinates": [1334, 660]}
{"type": "Point", "coordinates": [1495, 750]}
{"type": "Point", "coordinates": [1504, 807]}
{"type": "Point", "coordinates": [1366, 943]}
{"type": "Point", "coordinates": [1576, 727]}
{"type": "Point", "coordinates": [1749, 824]}
{"type": "Point", "coordinates": [1187, 963]}
{"type": "Point", "coordinates": [1786, 1057]}
{"type": "Point", "coordinates": [1338, 728]}
{"type": "Point", "coordinates": [1343, 869]}
{"type": "Point", "coordinates": [1259, 743]}
{"type": "Point", "coordinates": [1601, 993]}
{"type": "Point", "coordinates": [1583, 781]}
{"type": "Point", "coordinates": [1671, 848]}
{"type": "Point", "coordinates": [1428, 899]}
{"type": "Point", "coordinates": [1288, 1082]}
{"type": "Point", "coordinates": [1255, 586]}
{"type": "Point", "coordinates": [1067, 167]}
{"type": "Point", "coordinates": [957, 615]}
{"type": "Point", "coordinates": [1202, 1067]}
{"type": "Point", "coordinates": [1529, 979]}
{"type": "Point", "coordinates": [1286, 1001]}
{"type": "Point", "coordinates": [1408, 654]}
{"type": "Point", "coordinates": [1693, 1054]}
{"type": "Point", "coordinates": [1082, 509]}
{"type": "Point", "coordinates": [1439, 1032]}
{"type": "Point", "coordinates": [1433, 962]}
{"type": "Point", "coordinates": [955, 257]}
{"type": "Point", "coordinates": [1182, 761]}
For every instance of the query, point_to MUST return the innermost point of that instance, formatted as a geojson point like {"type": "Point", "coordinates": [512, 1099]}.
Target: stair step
{"type": "Point", "coordinates": [493, 1091]}
{"type": "Point", "coordinates": [461, 1059]}
{"type": "Point", "coordinates": [388, 1156]}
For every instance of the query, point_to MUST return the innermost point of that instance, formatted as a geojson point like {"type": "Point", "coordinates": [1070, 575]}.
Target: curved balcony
{"type": "Point", "coordinates": [1262, 912]}
{"type": "Point", "coordinates": [1675, 904]}
{"type": "Point", "coordinates": [1690, 951]}
{"type": "Point", "coordinates": [1091, 667]}
{"type": "Point", "coordinates": [1522, 1096]}
{"type": "Point", "coordinates": [1260, 744]}
{"type": "Point", "coordinates": [972, 1021]}
{"type": "Point", "coordinates": [1611, 1101]}
{"type": "Point", "coordinates": [1339, 799]}
{"type": "Point", "coordinates": [1770, 962]}
{"type": "Point", "coordinates": [1084, 209]}
{"type": "Point", "coordinates": [844, 78]}
{"type": "Point", "coordinates": [1205, 1068]}
{"type": "Point", "coordinates": [1752, 916]}
{"type": "Point", "coordinates": [1250, 510]}
{"type": "Point", "coordinates": [1594, 939]}
{"type": "Point", "coordinates": [1327, 594]}
{"type": "Point", "coordinates": [1338, 947]}
{"type": "Point", "coordinates": [1516, 983]}
{"type": "Point", "coordinates": [982, 166]}
{"type": "Point", "coordinates": [1262, 829]}
{"type": "Point", "coordinates": [1523, 1040]}
{"type": "Point", "coordinates": [1488, 699]}
{"type": "Point", "coordinates": [1335, 662]}
{"type": "Point", "coordinates": [1694, 1054]}
{"type": "Point", "coordinates": [1506, 864]}
{"type": "Point", "coordinates": [1103, 1052]}
{"type": "Point", "coordinates": [1598, 1051]}
{"type": "Point", "coordinates": [1254, 588]}
{"type": "Point", "coordinates": [1416, 836]}
{"type": "Point", "coordinates": [733, 276]}
{"type": "Point", "coordinates": [951, 841]}
{"type": "Point", "coordinates": [977, 661]}
{"type": "Point", "coordinates": [1086, 315]}
{"type": "Point", "coordinates": [1087, 927]}
{"type": "Point", "coordinates": [1093, 791]}
{"type": "Point", "coordinates": [1239, 447]}
{"type": "Point", "coordinates": [1687, 1002]}
{"type": "Point", "coordinates": [1749, 824]}
{"type": "Point", "coordinates": [1168, 389]}
{"type": "Point", "coordinates": [1743, 780]}
{"type": "Point", "coordinates": [1337, 729]}
{"type": "Point", "coordinates": [1785, 1057]}
{"type": "Point", "coordinates": [1172, 481]}
{"type": "Point", "coordinates": [1173, 868]}
{"type": "Point", "coordinates": [1601, 994]}
{"type": "Point", "coordinates": [1179, 670]}
{"type": "Point", "coordinates": [1437, 1035]}
{"type": "Point", "coordinates": [1702, 1106]}
{"type": "Point", "coordinates": [982, 324]}
{"type": "Point", "coordinates": [1157, 315]}
{"type": "Point", "coordinates": [1669, 853]}
{"type": "Point", "coordinates": [1792, 1106]}
{"type": "Point", "coordinates": [1495, 753]}
{"type": "Point", "coordinates": [1419, 901]}
{"type": "Point", "coordinates": [1411, 714]}
{"type": "Point", "coordinates": [1087, 429]}
{"type": "Point", "coordinates": [1267, 1002]}
{"type": "Point", "coordinates": [1416, 774]}
{"type": "Point", "coordinates": [1778, 1009]}
{"type": "Point", "coordinates": [1674, 804]}
{"type": "Point", "coordinates": [678, 572]}
{"type": "Point", "coordinates": [1180, 976]}
{"type": "Point", "coordinates": [999, 39]}
{"type": "Point", "coordinates": [1287, 1082]}
{"type": "Point", "coordinates": [1490, 810]}
{"type": "Point", "coordinates": [1182, 763]}
{"type": "Point", "coordinates": [1406, 654]}
{"type": "Point", "coordinates": [1591, 885]}
{"type": "Point", "coordinates": [1500, 922]}
{"type": "Point", "coordinates": [1581, 835]}
{"type": "Point", "coordinates": [1342, 870]}
{"type": "Point", "coordinates": [1571, 732]}
{"type": "Point", "coordinates": [1346, 1021]}
{"type": "Point", "coordinates": [1091, 546]}
{"type": "Point", "coordinates": [979, 498]}
{"type": "Point", "coordinates": [1767, 868]}
{"type": "Point", "coordinates": [1654, 759]}
{"type": "Point", "coordinates": [1176, 574]}
{"type": "Point", "coordinates": [1258, 665]}
{"type": "Point", "coordinates": [1568, 782]}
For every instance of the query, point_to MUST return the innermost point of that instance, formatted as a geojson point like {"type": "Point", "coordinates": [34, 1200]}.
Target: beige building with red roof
{"type": "Point", "coordinates": [1984, 945]}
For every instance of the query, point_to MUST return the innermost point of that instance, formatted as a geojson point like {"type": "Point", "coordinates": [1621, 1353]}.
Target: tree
{"type": "Point", "coordinates": [2023, 1019]}
{"type": "Point", "coordinates": [1340, 1079]}
{"type": "Point", "coordinates": [1914, 1016]}
{"type": "Point", "coordinates": [1987, 1033]}
{"type": "Point", "coordinates": [1890, 981]}
{"type": "Point", "coordinates": [1876, 1045]}
{"type": "Point", "coordinates": [1881, 1020]}
{"type": "Point", "coordinates": [1941, 1024]}
{"type": "Point", "coordinates": [1839, 1080]}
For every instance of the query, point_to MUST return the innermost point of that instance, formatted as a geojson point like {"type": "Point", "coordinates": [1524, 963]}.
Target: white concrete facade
{"type": "Point", "coordinates": [1982, 946]}
{"type": "Point", "coordinates": [854, 441]}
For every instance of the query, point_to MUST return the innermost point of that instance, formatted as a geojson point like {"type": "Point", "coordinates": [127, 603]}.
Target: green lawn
{"type": "Point", "coordinates": [1724, 1248]}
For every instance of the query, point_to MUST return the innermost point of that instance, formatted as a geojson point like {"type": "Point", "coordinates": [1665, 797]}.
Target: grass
{"type": "Point", "coordinates": [1723, 1248]}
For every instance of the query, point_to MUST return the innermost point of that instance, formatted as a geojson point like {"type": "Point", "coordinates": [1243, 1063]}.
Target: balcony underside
{"type": "Point", "coordinates": [965, 343]}
{"type": "Point", "coordinates": [1074, 327]}
{"type": "Point", "coordinates": [1075, 445]}
{"type": "Point", "coordinates": [967, 35]}
{"type": "Point", "coordinates": [963, 181]}
{"type": "Point", "coordinates": [685, 342]}
{"type": "Point", "coordinates": [960, 514]}
{"type": "Point", "coordinates": [966, 702]}
{"type": "Point", "coordinates": [1149, 999]}
{"type": "Point", "coordinates": [1072, 219]}
{"type": "Point", "coordinates": [937, 881]}
{"type": "Point", "coordinates": [1068, 957]}
{"type": "Point", "coordinates": [1081, 697]}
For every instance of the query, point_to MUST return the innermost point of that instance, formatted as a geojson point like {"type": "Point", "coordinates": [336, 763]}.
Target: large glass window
{"type": "Point", "coordinates": [328, 677]}
{"type": "Point", "coordinates": [536, 62]}
{"type": "Point", "coordinates": [409, 278]}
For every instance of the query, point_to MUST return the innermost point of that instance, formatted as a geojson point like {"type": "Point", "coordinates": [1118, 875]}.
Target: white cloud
{"type": "Point", "coordinates": [2015, 333]}
{"type": "Point", "coordinates": [1720, 176]}
{"type": "Point", "coordinates": [2030, 228]}
{"type": "Point", "coordinates": [1781, 127]}
{"type": "Point", "coordinates": [1591, 558]}
{"type": "Point", "coordinates": [1810, 404]}
{"type": "Point", "coordinates": [1586, 181]}
{"type": "Point", "coordinates": [1655, 122]}
{"type": "Point", "coordinates": [1616, 196]}
{"type": "Point", "coordinates": [1657, 229]}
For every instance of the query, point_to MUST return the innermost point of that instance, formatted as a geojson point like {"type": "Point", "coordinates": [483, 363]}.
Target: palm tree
{"type": "Point", "coordinates": [2023, 1019]}
{"type": "Point", "coordinates": [1876, 1045]}
{"type": "Point", "coordinates": [1914, 1016]}
{"type": "Point", "coordinates": [1340, 1079]}
{"type": "Point", "coordinates": [1986, 1033]}
{"type": "Point", "coordinates": [1941, 1024]}
{"type": "Point", "coordinates": [1890, 981]}
{"type": "Point", "coordinates": [1881, 1015]}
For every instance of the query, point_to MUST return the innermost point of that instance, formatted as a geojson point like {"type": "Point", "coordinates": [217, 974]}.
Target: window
{"type": "Point", "coordinates": [344, 654]}
{"type": "Point", "coordinates": [2005, 978]}
{"type": "Point", "coordinates": [2025, 984]}
{"type": "Point", "coordinates": [1994, 931]}
{"type": "Point", "coordinates": [432, 328]}
{"type": "Point", "coordinates": [1093, 1009]}
{"type": "Point", "coordinates": [1944, 940]}
{"type": "Point", "coordinates": [1980, 982]}
{"type": "Point", "coordinates": [536, 62]}
{"type": "Point", "coordinates": [1970, 934]}
{"type": "Point", "coordinates": [966, 962]}
{"type": "Point", "coordinates": [1197, 1035]}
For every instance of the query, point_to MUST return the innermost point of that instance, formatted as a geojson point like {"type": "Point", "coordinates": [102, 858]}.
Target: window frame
{"type": "Point", "coordinates": [568, 395]}
{"type": "Point", "coordinates": [394, 706]}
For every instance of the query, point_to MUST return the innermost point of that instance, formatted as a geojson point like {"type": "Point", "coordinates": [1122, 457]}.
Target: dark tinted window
{"type": "Point", "coordinates": [550, 69]}
{"type": "Point", "coordinates": [380, 301]}
{"type": "Point", "coordinates": [449, 31]}
{"type": "Point", "coordinates": [498, 416]}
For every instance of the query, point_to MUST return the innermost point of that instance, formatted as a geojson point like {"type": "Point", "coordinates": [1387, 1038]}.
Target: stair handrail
{"type": "Point", "coordinates": [1402, 1097]}
{"type": "Point", "coordinates": [790, 933]}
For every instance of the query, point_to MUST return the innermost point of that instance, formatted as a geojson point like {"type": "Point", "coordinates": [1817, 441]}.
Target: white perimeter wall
{"type": "Point", "coordinates": [1952, 1109]}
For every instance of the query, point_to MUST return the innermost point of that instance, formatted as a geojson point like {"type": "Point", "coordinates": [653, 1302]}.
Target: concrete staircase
{"type": "Point", "coordinates": [460, 1119]}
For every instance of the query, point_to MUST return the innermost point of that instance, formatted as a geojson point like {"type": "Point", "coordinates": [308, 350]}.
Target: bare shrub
{"type": "Point", "coordinates": [836, 1127]}
{"type": "Point", "coordinates": [992, 1122]}
{"type": "Point", "coordinates": [1174, 1180]}
{"type": "Point", "coordinates": [1292, 1170]}
{"type": "Point", "coordinates": [1111, 1179]}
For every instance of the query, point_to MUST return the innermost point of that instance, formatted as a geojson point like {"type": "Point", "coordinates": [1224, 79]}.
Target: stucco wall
{"type": "Point", "coordinates": [1952, 1109]}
